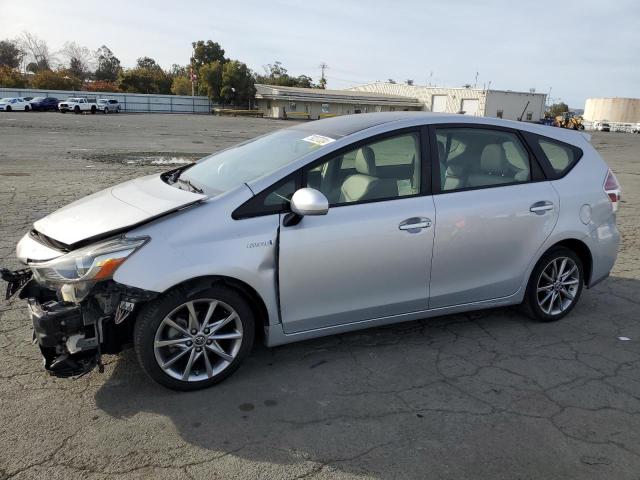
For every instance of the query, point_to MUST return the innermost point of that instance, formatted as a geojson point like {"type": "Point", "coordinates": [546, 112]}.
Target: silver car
{"type": "Point", "coordinates": [322, 228]}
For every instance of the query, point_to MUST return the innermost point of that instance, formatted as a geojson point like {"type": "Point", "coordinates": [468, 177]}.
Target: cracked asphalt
{"type": "Point", "coordinates": [483, 395]}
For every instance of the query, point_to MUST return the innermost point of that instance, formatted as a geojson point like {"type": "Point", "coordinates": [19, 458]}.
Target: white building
{"type": "Point", "coordinates": [526, 106]}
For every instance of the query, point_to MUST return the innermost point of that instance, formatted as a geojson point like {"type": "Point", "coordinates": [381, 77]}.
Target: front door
{"type": "Point", "coordinates": [494, 212]}
{"type": "Point", "coordinates": [370, 256]}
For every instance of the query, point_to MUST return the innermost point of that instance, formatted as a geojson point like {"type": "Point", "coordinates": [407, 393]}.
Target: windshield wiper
{"type": "Point", "coordinates": [189, 184]}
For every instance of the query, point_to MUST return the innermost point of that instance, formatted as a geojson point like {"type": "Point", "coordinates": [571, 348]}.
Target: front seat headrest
{"type": "Point", "coordinates": [492, 159]}
{"type": "Point", "coordinates": [365, 162]}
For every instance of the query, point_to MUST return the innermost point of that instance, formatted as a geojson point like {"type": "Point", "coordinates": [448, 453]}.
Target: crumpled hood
{"type": "Point", "coordinates": [114, 209]}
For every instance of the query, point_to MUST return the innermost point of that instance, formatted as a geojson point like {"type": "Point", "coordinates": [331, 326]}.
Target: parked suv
{"type": "Point", "coordinates": [44, 103]}
{"type": "Point", "coordinates": [325, 227]}
{"type": "Point", "coordinates": [108, 105]}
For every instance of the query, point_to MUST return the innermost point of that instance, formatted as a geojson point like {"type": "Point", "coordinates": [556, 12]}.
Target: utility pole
{"type": "Point", "coordinates": [323, 80]}
{"type": "Point", "coordinates": [475, 82]}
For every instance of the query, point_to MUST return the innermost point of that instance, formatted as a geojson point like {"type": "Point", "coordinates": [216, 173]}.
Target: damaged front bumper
{"type": "Point", "coordinates": [73, 336]}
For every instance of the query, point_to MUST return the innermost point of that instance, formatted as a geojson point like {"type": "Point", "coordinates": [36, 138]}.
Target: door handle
{"type": "Point", "coordinates": [540, 207]}
{"type": "Point", "coordinates": [414, 224]}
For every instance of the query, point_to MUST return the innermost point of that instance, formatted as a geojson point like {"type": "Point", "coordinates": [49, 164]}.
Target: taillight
{"type": "Point", "coordinates": [612, 189]}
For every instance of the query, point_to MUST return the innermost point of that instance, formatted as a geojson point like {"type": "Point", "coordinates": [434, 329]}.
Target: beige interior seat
{"type": "Point", "coordinates": [451, 176]}
{"type": "Point", "coordinates": [365, 185]}
{"type": "Point", "coordinates": [494, 168]}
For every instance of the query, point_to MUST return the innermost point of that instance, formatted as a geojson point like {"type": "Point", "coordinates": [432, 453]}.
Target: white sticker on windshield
{"type": "Point", "coordinates": [319, 139]}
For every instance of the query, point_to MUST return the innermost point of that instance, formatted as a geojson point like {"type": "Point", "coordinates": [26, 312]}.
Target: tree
{"type": "Point", "coordinates": [179, 70]}
{"type": "Point", "coordinates": [101, 86]}
{"type": "Point", "coordinates": [108, 66]}
{"type": "Point", "coordinates": [304, 81]}
{"type": "Point", "coordinates": [558, 109]}
{"type": "Point", "coordinates": [276, 74]}
{"type": "Point", "coordinates": [37, 52]}
{"type": "Point", "coordinates": [210, 80]}
{"type": "Point", "coordinates": [58, 80]}
{"type": "Point", "coordinates": [10, 54]}
{"type": "Point", "coordinates": [145, 80]}
{"type": "Point", "coordinates": [181, 86]}
{"type": "Point", "coordinates": [205, 53]}
{"type": "Point", "coordinates": [11, 78]}
{"type": "Point", "coordinates": [79, 59]}
{"type": "Point", "coordinates": [237, 84]}
{"type": "Point", "coordinates": [147, 63]}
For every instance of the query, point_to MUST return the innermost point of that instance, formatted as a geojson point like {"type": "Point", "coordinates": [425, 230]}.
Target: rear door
{"type": "Point", "coordinates": [494, 210]}
{"type": "Point", "coordinates": [370, 256]}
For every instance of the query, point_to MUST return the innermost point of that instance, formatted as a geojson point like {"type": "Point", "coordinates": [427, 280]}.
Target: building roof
{"type": "Point", "coordinates": [434, 89]}
{"type": "Point", "coordinates": [276, 92]}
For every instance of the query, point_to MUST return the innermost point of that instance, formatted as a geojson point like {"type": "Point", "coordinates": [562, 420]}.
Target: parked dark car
{"type": "Point", "coordinates": [44, 103]}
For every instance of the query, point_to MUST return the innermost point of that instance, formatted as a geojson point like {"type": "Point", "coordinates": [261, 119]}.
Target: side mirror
{"type": "Point", "coordinates": [309, 201]}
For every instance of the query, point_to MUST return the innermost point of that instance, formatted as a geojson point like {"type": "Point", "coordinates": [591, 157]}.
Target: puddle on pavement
{"type": "Point", "coordinates": [146, 158]}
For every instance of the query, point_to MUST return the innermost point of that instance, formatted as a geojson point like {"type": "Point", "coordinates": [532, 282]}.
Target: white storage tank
{"type": "Point", "coordinates": [623, 110]}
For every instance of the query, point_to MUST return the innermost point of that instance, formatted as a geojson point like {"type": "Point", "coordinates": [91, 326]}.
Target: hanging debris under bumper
{"type": "Point", "coordinates": [15, 279]}
{"type": "Point", "coordinates": [73, 335]}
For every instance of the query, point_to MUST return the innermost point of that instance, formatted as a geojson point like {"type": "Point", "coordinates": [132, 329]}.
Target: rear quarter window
{"type": "Point", "coordinates": [560, 157]}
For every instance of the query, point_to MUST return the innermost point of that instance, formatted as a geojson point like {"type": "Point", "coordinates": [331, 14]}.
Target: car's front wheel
{"type": "Point", "coordinates": [192, 341]}
{"type": "Point", "coordinates": [555, 285]}
{"type": "Point", "coordinates": [8, 108]}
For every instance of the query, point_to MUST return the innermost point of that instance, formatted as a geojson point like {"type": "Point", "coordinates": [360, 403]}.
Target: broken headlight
{"type": "Point", "coordinates": [89, 264]}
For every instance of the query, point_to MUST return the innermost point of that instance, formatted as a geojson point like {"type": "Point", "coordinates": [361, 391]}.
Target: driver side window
{"type": "Point", "coordinates": [381, 170]}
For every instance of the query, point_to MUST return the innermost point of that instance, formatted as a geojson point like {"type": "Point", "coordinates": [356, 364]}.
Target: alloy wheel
{"type": "Point", "coordinates": [198, 340]}
{"type": "Point", "coordinates": [558, 285]}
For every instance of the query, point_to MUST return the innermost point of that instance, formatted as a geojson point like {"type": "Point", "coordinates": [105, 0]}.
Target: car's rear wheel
{"type": "Point", "coordinates": [26, 108]}
{"type": "Point", "coordinates": [555, 285]}
{"type": "Point", "coordinates": [192, 341]}
{"type": "Point", "coordinates": [76, 109]}
{"type": "Point", "coordinates": [93, 109]}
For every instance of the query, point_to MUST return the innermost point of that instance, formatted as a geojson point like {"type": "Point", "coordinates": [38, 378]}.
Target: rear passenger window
{"type": "Point", "coordinates": [475, 157]}
{"type": "Point", "coordinates": [561, 156]}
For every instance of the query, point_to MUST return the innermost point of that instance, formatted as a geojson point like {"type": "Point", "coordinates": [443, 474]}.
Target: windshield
{"type": "Point", "coordinates": [37, 99]}
{"type": "Point", "coordinates": [251, 160]}
{"type": "Point", "coordinates": [102, 101]}
{"type": "Point", "coordinates": [76, 100]}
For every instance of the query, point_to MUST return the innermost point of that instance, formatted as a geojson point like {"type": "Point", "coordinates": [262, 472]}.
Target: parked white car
{"type": "Point", "coordinates": [77, 105]}
{"type": "Point", "coordinates": [109, 105]}
{"type": "Point", "coordinates": [10, 104]}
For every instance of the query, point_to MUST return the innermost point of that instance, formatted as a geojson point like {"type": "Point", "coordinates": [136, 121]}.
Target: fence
{"type": "Point", "coordinates": [130, 102]}
{"type": "Point", "coordinates": [613, 126]}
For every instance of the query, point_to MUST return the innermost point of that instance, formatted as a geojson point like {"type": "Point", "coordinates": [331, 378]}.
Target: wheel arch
{"type": "Point", "coordinates": [581, 250]}
{"type": "Point", "coordinates": [253, 298]}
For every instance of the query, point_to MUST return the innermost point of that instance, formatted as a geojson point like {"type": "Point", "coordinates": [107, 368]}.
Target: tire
{"type": "Point", "coordinates": [26, 108]}
{"type": "Point", "coordinates": [63, 111]}
{"type": "Point", "coordinates": [8, 109]}
{"type": "Point", "coordinates": [106, 110]}
{"type": "Point", "coordinates": [561, 295]}
{"type": "Point", "coordinates": [151, 326]}
{"type": "Point", "coordinates": [93, 109]}
{"type": "Point", "coordinates": [76, 109]}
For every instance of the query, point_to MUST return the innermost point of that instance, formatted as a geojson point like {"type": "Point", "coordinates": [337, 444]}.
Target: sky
{"type": "Point", "coordinates": [572, 49]}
